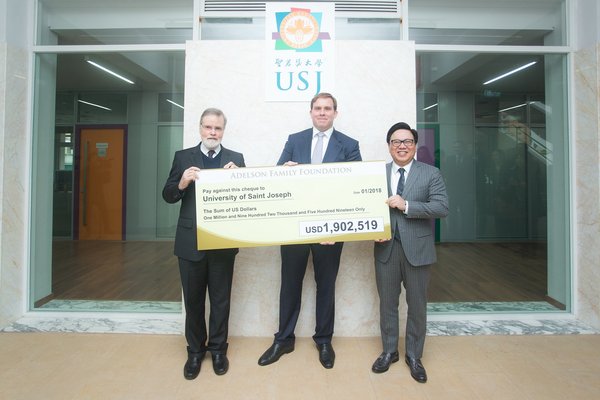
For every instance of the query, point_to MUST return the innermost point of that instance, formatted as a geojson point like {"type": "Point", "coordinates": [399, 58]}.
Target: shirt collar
{"type": "Point", "coordinates": [204, 150]}
{"type": "Point", "coordinates": [327, 133]}
{"type": "Point", "coordinates": [406, 167]}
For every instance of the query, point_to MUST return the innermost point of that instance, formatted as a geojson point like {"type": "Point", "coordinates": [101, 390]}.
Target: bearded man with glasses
{"type": "Point", "coordinates": [202, 271]}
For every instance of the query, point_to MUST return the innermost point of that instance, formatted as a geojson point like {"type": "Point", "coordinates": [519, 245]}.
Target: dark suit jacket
{"type": "Point", "coordinates": [340, 148]}
{"type": "Point", "coordinates": [425, 192]}
{"type": "Point", "coordinates": [185, 237]}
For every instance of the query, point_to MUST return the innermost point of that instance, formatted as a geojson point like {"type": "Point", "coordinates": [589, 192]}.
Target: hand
{"type": "Point", "coordinates": [290, 163]}
{"type": "Point", "coordinates": [381, 240]}
{"type": "Point", "coordinates": [396, 201]}
{"type": "Point", "coordinates": [327, 243]}
{"type": "Point", "coordinates": [230, 164]}
{"type": "Point", "coordinates": [188, 176]}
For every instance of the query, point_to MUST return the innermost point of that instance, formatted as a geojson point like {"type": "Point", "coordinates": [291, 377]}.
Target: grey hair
{"type": "Point", "coordinates": [216, 112]}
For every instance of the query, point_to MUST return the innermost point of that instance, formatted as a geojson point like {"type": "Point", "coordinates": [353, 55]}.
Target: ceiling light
{"type": "Point", "coordinates": [95, 64]}
{"type": "Point", "coordinates": [94, 105]}
{"type": "Point", "coordinates": [175, 104]}
{"type": "Point", "coordinates": [431, 106]}
{"type": "Point", "coordinates": [510, 72]}
{"type": "Point", "coordinates": [513, 107]}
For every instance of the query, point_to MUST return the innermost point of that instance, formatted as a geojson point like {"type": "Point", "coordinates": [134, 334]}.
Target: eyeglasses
{"type": "Point", "coordinates": [209, 128]}
{"type": "Point", "coordinates": [406, 142]}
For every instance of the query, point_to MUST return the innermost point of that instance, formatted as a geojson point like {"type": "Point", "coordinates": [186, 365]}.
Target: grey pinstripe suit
{"type": "Point", "coordinates": [407, 260]}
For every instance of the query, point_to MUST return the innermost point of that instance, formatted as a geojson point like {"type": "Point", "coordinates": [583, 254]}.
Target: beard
{"type": "Point", "coordinates": [211, 143]}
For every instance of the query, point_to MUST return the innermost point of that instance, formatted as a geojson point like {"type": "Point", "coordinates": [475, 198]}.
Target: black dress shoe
{"type": "Point", "coordinates": [384, 361]}
{"type": "Point", "coordinates": [326, 355]}
{"type": "Point", "coordinates": [417, 370]}
{"type": "Point", "coordinates": [191, 369]}
{"type": "Point", "coordinates": [275, 352]}
{"type": "Point", "coordinates": [220, 363]}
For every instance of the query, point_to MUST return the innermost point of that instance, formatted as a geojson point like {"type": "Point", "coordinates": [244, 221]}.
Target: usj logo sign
{"type": "Point", "coordinates": [300, 50]}
{"type": "Point", "coordinates": [299, 30]}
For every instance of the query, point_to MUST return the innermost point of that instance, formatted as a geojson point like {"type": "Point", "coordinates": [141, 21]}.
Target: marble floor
{"type": "Point", "coordinates": [173, 306]}
{"type": "Point", "coordinates": [69, 366]}
{"type": "Point", "coordinates": [166, 318]}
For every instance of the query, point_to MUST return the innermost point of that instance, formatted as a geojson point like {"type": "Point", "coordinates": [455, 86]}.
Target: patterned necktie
{"type": "Point", "coordinates": [317, 156]}
{"type": "Point", "coordinates": [400, 187]}
{"type": "Point", "coordinates": [211, 154]}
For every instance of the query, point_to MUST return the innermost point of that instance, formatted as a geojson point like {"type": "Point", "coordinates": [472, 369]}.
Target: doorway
{"type": "Point", "coordinates": [100, 181]}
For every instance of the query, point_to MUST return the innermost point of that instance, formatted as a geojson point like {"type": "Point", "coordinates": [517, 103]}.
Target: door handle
{"type": "Point", "coordinates": [85, 162]}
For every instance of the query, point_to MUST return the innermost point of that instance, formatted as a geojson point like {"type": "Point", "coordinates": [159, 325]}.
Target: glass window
{"type": "Point", "coordinates": [94, 108]}
{"type": "Point", "coordinates": [170, 107]}
{"type": "Point", "coordinates": [170, 139]}
{"type": "Point", "coordinates": [63, 181]}
{"type": "Point", "coordinates": [502, 150]}
{"type": "Point", "coordinates": [106, 159]}
{"type": "Point", "coordinates": [427, 107]}
{"type": "Point", "coordinates": [85, 22]}
{"type": "Point", "coordinates": [488, 22]}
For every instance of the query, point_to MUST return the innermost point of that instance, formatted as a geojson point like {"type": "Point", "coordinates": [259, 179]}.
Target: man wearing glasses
{"type": "Point", "coordinates": [417, 196]}
{"type": "Point", "coordinates": [200, 271]}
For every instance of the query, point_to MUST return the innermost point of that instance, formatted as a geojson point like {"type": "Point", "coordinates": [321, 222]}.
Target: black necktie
{"type": "Point", "coordinates": [400, 187]}
{"type": "Point", "coordinates": [211, 154]}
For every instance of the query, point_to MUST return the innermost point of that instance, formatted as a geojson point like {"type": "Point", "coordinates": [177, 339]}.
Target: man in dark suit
{"type": "Point", "coordinates": [417, 195]}
{"type": "Point", "coordinates": [321, 143]}
{"type": "Point", "coordinates": [202, 270]}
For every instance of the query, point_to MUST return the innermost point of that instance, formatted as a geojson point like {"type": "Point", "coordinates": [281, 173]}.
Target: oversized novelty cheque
{"type": "Point", "coordinates": [305, 203]}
